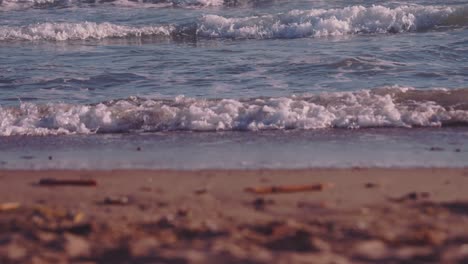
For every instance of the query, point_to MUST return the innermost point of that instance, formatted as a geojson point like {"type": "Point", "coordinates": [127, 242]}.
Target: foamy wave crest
{"type": "Point", "coordinates": [390, 107]}
{"type": "Point", "coordinates": [19, 4]}
{"type": "Point", "coordinates": [294, 24]}
{"type": "Point", "coordinates": [333, 22]}
{"type": "Point", "coordinates": [25, 4]}
{"type": "Point", "coordinates": [79, 31]}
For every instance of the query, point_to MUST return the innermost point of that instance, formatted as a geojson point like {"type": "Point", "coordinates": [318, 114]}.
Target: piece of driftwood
{"type": "Point", "coordinates": [67, 182]}
{"type": "Point", "coordinates": [288, 188]}
{"type": "Point", "coordinates": [4, 207]}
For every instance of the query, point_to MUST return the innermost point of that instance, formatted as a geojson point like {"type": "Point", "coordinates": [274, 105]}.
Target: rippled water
{"type": "Point", "coordinates": [85, 67]}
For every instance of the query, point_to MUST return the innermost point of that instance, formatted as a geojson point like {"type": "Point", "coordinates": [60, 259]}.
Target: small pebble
{"type": "Point", "coordinates": [414, 196]}
{"type": "Point", "coordinates": [122, 200]}
{"type": "Point", "coordinates": [15, 252]}
{"type": "Point", "coordinates": [261, 203]}
{"type": "Point", "coordinates": [166, 222]}
{"type": "Point", "coordinates": [183, 212]}
{"type": "Point", "coordinates": [436, 149]}
{"type": "Point", "coordinates": [371, 185]}
{"type": "Point", "coordinates": [370, 250]}
{"type": "Point", "coordinates": [76, 246]}
{"type": "Point", "coordinates": [201, 191]}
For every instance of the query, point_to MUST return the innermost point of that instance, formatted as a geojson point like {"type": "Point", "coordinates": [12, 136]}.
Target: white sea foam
{"type": "Point", "coordinates": [331, 22]}
{"type": "Point", "coordinates": [22, 4]}
{"type": "Point", "coordinates": [294, 24]}
{"type": "Point", "coordinates": [25, 4]}
{"type": "Point", "coordinates": [392, 107]}
{"type": "Point", "coordinates": [79, 31]}
{"type": "Point", "coordinates": [202, 2]}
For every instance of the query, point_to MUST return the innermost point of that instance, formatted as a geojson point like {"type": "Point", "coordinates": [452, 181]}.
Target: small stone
{"type": "Point", "coordinates": [138, 148]}
{"type": "Point", "coordinates": [183, 212]}
{"type": "Point", "coordinates": [261, 203]}
{"type": "Point", "coordinates": [292, 240]}
{"type": "Point", "coordinates": [413, 196]}
{"type": "Point", "coordinates": [411, 252]}
{"type": "Point", "coordinates": [436, 149]}
{"type": "Point", "coordinates": [210, 225]}
{"type": "Point", "coordinates": [166, 222]}
{"type": "Point", "coordinates": [320, 245]}
{"type": "Point", "coordinates": [457, 150]}
{"type": "Point", "coordinates": [433, 237]}
{"type": "Point", "coordinates": [201, 191]}
{"type": "Point", "coordinates": [38, 220]}
{"type": "Point", "coordinates": [122, 200]}
{"type": "Point", "coordinates": [195, 257]}
{"type": "Point", "coordinates": [46, 237]}
{"type": "Point", "coordinates": [371, 250]}
{"type": "Point", "coordinates": [50, 157]}
{"type": "Point", "coordinates": [371, 185]}
{"type": "Point", "coordinates": [232, 249]}
{"type": "Point", "coordinates": [162, 204]}
{"type": "Point", "coordinates": [78, 217]}
{"type": "Point", "coordinates": [76, 246]}
{"type": "Point", "coordinates": [143, 207]}
{"type": "Point", "coordinates": [79, 228]}
{"type": "Point", "coordinates": [15, 252]}
{"type": "Point", "coordinates": [167, 237]}
{"type": "Point", "coordinates": [306, 258]}
{"type": "Point", "coordinates": [321, 205]}
{"type": "Point", "coordinates": [39, 260]}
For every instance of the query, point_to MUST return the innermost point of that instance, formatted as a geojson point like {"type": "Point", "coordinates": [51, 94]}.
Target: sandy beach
{"type": "Point", "coordinates": [354, 215]}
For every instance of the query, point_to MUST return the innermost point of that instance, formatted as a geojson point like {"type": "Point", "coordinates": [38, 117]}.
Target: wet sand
{"type": "Point", "coordinates": [155, 216]}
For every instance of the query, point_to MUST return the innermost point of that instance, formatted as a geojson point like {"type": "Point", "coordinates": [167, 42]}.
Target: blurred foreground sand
{"type": "Point", "coordinates": [143, 216]}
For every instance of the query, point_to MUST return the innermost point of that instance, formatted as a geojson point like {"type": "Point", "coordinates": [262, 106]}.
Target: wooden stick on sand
{"type": "Point", "coordinates": [289, 188]}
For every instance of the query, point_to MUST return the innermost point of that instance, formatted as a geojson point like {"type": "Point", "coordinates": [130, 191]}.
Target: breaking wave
{"type": "Point", "coordinates": [333, 22]}
{"type": "Point", "coordinates": [79, 31]}
{"type": "Point", "coordinates": [293, 24]}
{"type": "Point", "coordinates": [25, 4]}
{"type": "Point", "coordinates": [384, 107]}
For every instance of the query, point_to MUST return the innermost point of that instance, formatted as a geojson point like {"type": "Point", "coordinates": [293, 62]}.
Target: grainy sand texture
{"type": "Point", "coordinates": [234, 216]}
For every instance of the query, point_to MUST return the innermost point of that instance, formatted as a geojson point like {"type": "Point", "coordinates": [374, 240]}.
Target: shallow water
{"type": "Point", "coordinates": [246, 150]}
{"type": "Point", "coordinates": [120, 72]}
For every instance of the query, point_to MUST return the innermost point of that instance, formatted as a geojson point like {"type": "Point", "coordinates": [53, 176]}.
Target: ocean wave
{"type": "Point", "coordinates": [384, 107]}
{"type": "Point", "coordinates": [293, 24]}
{"type": "Point", "coordinates": [37, 4]}
{"type": "Point", "coordinates": [334, 22]}
{"type": "Point", "coordinates": [79, 31]}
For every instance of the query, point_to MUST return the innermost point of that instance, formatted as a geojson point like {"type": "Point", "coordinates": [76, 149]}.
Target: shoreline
{"type": "Point", "coordinates": [356, 215]}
